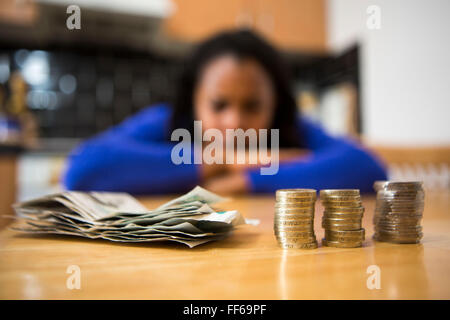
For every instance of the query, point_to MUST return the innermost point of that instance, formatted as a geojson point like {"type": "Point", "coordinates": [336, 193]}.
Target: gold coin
{"type": "Point", "coordinates": [296, 217]}
{"type": "Point", "coordinates": [339, 238]}
{"type": "Point", "coordinates": [311, 198]}
{"type": "Point", "coordinates": [295, 209]}
{"type": "Point", "coordinates": [344, 239]}
{"type": "Point", "coordinates": [337, 244]}
{"type": "Point", "coordinates": [295, 201]}
{"type": "Point", "coordinates": [302, 194]}
{"type": "Point", "coordinates": [360, 232]}
{"type": "Point", "coordinates": [298, 221]}
{"type": "Point", "coordinates": [344, 210]}
{"type": "Point", "coordinates": [312, 245]}
{"type": "Point", "coordinates": [340, 198]}
{"type": "Point", "coordinates": [339, 192]}
{"type": "Point", "coordinates": [327, 220]}
{"type": "Point", "coordinates": [344, 227]}
{"type": "Point", "coordinates": [281, 229]}
{"type": "Point", "coordinates": [299, 227]}
{"type": "Point", "coordinates": [343, 215]}
{"type": "Point", "coordinates": [305, 212]}
{"type": "Point", "coordinates": [296, 240]}
{"type": "Point", "coordinates": [295, 234]}
{"type": "Point", "coordinates": [342, 204]}
{"type": "Point", "coordinates": [293, 223]}
{"type": "Point", "coordinates": [292, 205]}
{"type": "Point", "coordinates": [297, 192]}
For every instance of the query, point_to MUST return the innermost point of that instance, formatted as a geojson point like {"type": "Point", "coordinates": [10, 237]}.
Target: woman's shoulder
{"type": "Point", "coordinates": [157, 115]}
{"type": "Point", "coordinates": [155, 112]}
{"type": "Point", "coordinates": [315, 136]}
{"type": "Point", "coordinates": [309, 128]}
{"type": "Point", "coordinates": [150, 123]}
{"type": "Point", "coordinates": [308, 124]}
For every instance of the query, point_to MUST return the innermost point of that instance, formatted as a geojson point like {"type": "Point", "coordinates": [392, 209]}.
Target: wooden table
{"type": "Point", "coordinates": [247, 265]}
{"type": "Point", "coordinates": [8, 183]}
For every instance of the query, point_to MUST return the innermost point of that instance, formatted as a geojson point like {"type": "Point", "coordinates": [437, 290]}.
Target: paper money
{"type": "Point", "coordinates": [188, 219]}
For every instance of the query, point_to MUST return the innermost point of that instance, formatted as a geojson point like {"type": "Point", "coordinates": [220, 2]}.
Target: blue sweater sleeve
{"type": "Point", "coordinates": [335, 163]}
{"type": "Point", "coordinates": [133, 156]}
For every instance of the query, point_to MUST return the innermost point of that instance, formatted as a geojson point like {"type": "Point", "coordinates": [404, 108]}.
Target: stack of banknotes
{"type": "Point", "coordinates": [189, 219]}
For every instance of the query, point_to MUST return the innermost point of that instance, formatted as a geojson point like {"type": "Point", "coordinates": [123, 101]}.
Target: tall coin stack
{"type": "Point", "coordinates": [342, 218]}
{"type": "Point", "coordinates": [398, 211]}
{"type": "Point", "coordinates": [294, 218]}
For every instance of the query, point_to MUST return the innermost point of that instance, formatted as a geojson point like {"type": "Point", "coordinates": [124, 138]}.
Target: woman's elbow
{"type": "Point", "coordinates": [76, 176]}
{"type": "Point", "coordinates": [372, 169]}
{"type": "Point", "coordinates": [83, 164]}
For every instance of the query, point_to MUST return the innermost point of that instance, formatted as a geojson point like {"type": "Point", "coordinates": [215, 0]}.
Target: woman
{"type": "Point", "coordinates": [233, 80]}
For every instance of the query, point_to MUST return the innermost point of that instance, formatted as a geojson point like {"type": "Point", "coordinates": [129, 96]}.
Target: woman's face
{"type": "Point", "coordinates": [234, 93]}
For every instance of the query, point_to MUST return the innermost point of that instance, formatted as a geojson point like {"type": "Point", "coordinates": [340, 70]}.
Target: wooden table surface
{"type": "Point", "coordinates": [247, 265]}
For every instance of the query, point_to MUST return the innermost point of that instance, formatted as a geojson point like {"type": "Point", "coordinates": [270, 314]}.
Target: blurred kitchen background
{"type": "Point", "coordinates": [386, 84]}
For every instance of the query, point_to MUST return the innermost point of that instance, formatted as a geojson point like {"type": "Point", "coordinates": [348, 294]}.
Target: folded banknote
{"type": "Point", "coordinates": [189, 219]}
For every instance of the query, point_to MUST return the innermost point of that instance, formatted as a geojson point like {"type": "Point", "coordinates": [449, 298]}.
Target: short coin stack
{"type": "Point", "coordinates": [398, 211]}
{"type": "Point", "coordinates": [294, 218]}
{"type": "Point", "coordinates": [342, 218]}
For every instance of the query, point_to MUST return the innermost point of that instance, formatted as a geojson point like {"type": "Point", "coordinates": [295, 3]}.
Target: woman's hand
{"type": "Point", "coordinates": [284, 155]}
{"type": "Point", "coordinates": [208, 171]}
{"type": "Point", "coordinates": [228, 183]}
{"type": "Point", "coordinates": [232, 178]}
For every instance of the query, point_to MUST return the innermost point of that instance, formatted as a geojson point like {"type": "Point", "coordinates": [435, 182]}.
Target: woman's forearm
{"type": "Point", "coordinates": [115, 163]}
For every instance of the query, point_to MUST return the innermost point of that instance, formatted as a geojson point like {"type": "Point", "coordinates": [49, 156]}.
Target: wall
{"type": "Point", "coordinates": [405, 67]}
{"type": "Point", "coordinates": [290, 24]}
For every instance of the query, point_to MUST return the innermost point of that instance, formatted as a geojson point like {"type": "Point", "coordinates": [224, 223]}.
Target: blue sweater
{"type": "Point", "coordinates": [135, 157]}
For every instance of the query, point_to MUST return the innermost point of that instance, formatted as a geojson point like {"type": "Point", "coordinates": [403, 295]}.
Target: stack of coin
{"type": "Point", "coordinates": [398, 211]}
{"type": "Point", "coordinates": [294, 218]}
{"type": "Point", "coordinates": [342, 218]}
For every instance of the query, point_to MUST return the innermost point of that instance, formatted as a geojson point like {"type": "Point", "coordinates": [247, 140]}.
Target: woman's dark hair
{"type": "Point", "coordinates": [243, 44]}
